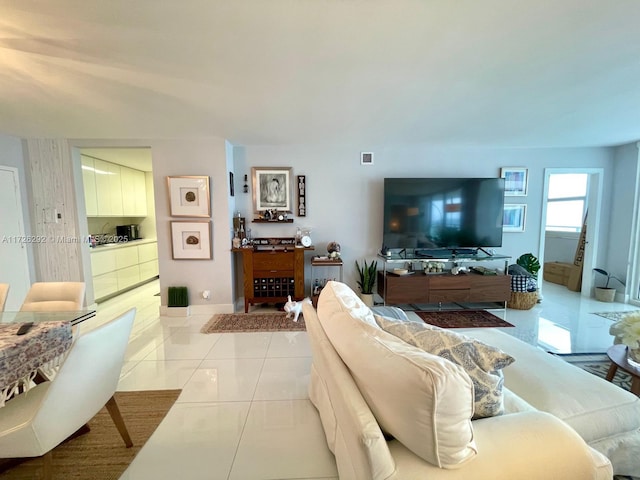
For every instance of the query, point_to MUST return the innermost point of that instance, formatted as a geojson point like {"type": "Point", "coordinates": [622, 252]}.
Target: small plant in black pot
{"type": "Point", "coordinates": [606, 293]}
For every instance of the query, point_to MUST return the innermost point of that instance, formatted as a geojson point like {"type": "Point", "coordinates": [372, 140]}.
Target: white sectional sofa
{"type": "Point", "coordinates": [558, 422]}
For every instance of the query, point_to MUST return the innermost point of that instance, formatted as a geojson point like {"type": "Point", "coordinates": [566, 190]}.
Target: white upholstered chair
{"type": "Point", "coordinates": [33, 423]}
{"type": "Point", "coordinates": [54, 296]}
{"type": "Point", "coordinates": [4, 291]}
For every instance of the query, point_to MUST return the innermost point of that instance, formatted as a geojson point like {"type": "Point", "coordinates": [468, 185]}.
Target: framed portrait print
{"type": "Point", "coordinates": [191, 240]}
{"type": "Point", "coordinates": [271, 188]}
{"type": "Point", "coordinates": [189, 196]}
{"type": "Point", "coordinates": [515, 181]}
{"type": "Point", "coordinates": [514, 217]}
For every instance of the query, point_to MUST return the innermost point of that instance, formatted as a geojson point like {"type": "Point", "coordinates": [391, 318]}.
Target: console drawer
{"type": "Point", "coordinates": [273, 261]}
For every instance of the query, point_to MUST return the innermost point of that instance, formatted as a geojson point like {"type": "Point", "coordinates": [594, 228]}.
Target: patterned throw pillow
{"type": "Point", "coordinates": [482, 362]}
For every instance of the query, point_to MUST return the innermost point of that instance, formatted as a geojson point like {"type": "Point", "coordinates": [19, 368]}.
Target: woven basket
{"type": "Point", "coordinates": [522, 300]}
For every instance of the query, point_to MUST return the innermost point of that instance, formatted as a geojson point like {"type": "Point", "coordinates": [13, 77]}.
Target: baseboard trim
{"type": "Point", "coordinates": [195, 310]}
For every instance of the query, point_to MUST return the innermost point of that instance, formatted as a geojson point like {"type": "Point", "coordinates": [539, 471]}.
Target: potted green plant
{"type": "Point", "coordinates": [530, 263]}
{"type": "Point", "coordinates": [367, 279]}
{"type": "Point", "coordinates": [606, 293]}
{"type": "Point", "coordinates": [178, 302]}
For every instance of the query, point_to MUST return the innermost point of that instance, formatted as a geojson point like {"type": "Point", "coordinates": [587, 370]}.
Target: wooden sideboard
{"type": "Point", "coordinates": [271, 275]}
{"type": "Point", "coordinates": [443, 288]}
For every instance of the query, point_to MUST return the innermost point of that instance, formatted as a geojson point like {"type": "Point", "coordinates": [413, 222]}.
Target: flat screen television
{"type": "Point", "coordinates": [443, 213]}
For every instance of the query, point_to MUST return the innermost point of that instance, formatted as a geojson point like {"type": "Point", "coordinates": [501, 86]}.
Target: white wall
{"type": "Point", "coordinates": [345, 199]}
{"type": "Point", "coordinates": [626, 175]}
{"type": "Point", "coordinates": [12, 155]}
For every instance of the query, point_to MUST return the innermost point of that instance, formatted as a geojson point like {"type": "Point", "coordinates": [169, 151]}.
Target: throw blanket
{"type": "Point", "coordinates": [43, 347]}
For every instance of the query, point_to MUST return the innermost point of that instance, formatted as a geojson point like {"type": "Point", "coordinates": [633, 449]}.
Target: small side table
{"type": "Point", "coordinates": [618, 356]}
{"type": "Point", "coordinates": [316, 262]}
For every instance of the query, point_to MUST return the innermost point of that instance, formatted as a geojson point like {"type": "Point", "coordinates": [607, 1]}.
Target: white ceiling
{"type": "Point", "coordinates": [367, 72]}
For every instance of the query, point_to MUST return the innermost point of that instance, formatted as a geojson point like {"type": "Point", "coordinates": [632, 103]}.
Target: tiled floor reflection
{"type": "Point", "coordinates": [244, 413]}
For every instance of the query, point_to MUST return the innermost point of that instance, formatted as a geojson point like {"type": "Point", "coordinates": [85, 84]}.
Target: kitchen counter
{"type": "Point", "coordinates": [113, 246]}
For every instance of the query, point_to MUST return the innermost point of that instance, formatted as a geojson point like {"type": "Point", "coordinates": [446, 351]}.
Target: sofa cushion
{"type": "Point", "coordinates": [344, 299]}
{"type": "Point", "coordinates": [424, 401]}
{"type": "Point", "coordinates": [482, 362]}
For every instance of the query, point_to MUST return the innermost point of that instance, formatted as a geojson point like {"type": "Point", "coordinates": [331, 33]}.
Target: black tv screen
{"type": "Point", "coordinates": [430, 213]}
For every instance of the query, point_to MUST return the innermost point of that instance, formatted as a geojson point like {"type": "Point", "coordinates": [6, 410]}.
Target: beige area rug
{"type": "Point", "coordinates": [616, 316]}
{"type": "Point", "coordinates": [252, 322]}
{"type": "Point", "coordinates": [101, 454]}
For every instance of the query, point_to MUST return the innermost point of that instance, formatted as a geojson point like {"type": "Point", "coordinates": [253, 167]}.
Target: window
{"type": "Point", "coordinates": [566, 202]}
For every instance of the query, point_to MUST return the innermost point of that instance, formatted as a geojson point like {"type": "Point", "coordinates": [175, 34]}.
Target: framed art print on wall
{"type": "Point", "coordinates": [271, 188]}
{"type": "Point", "coordinates": [515, 181]}
{"type": "Point", "coordinates": [514, 217]}
{"type": "Point", "coordinates": [189, 196]}
{"type": "Point", "coordinates": [191, 240]}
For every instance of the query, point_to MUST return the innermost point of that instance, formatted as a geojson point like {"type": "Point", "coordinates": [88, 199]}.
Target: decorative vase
{"type": "Point", "coordinates": [367, 299]}
{"type": "Point", "coordinates": [633, 356]}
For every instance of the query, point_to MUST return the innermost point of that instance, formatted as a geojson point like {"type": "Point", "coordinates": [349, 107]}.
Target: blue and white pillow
{"type": "Point", "coordinates": [483, 363]}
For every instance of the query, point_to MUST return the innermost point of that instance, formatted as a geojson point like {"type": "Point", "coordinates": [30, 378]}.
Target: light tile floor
{"type": "Point", "coordinates": [243, 413]}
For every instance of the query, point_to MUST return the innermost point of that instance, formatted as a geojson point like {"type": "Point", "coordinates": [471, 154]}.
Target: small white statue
{"type": "Point", "coordinates": [294, 308]}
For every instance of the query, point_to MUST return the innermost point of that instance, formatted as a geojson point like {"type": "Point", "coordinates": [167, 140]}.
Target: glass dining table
{"type": "Point", "coordinates": [41, 348]}
{"type": "Point", "coordinates": [73, 317]}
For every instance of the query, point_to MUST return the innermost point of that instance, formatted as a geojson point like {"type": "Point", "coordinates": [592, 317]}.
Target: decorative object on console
{"type": "Point", "coordinates": [514, 217]}
{"type": "Point", "coordinates": [189, 196]}
{"type": "Point", "coordinates": [606, 293]}
{"type": "Point", "coordinates": [333, 248]}
{"type": "Point", "coordinates": [271, 188]}
{"type": "Point", "coordinates": [367, 279]}
{"type": "Point", "coordinates": [191, 240]}
{"type": "Point", "coordinates": [302, 196]}
{"type": "Point", "coordinates": [515, 181]}
{"type": "Point", "coordinates": [462, 319]}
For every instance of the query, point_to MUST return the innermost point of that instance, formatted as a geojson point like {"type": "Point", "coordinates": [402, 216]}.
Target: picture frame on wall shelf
{"type": "Point", "coordinates": [272, 189]}
{"type": "Point", "coordinates": [189, 196]}
{"type": "Point", "coordinates": [191, 240]}
{"type": "Point", "coordinates": [516, 180]}
{"type": "Point", "coordinates": [514, 218]}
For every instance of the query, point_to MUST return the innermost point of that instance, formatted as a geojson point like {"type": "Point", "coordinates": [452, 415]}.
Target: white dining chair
{"type": "Point", "coordinates": [33, 423]}
{"type": "Point", "coordinates": [4, 292]}
{"type": "Point", "coordinates": [54, 297]}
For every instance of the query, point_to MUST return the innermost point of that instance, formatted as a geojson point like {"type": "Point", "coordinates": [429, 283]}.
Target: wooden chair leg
{"type": "Point", "coordinates": [116, 416]}
{"type": "Point", "coordinates": [47, 460]}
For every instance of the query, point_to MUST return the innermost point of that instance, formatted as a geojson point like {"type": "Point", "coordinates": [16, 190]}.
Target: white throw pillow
{"type": "Point", "coordinates": [482, 362]}
{"type": "Point", "coordinates": [424, 401]}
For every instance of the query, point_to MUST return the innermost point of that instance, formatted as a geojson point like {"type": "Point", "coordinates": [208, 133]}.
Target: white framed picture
{"type": "Point", "coordinates": [515, 181]}
{"type": "Point", "coordinates": [271, 189]}
{"type": "Point", "coordinates": [514, 218]}
{"type": "Point", "coordinates": [189, 196]}
{"type": "Point", "coordinates": [191, 240]}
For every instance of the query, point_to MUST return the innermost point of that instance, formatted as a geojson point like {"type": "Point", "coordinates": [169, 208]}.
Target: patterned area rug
{"type": "Point", "coordinates": [252, 322]}
{"type": "Point", "coordinates": [598, 364]}
{"type": "Point", "coordinates": [615, 316]}
{"type": "Point", "coordinates": [462, 319]}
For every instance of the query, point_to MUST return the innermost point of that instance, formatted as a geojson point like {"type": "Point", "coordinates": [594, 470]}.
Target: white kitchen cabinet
{"type": "Point", "coordinates": [89, 182]}
{"type": "Point", "coordinates": [106, 284]}
{"type": "Point", "coordinates": [126, 256]}
{"type": "Point", "coordinates": [117, 268]}
{"type": "Point", "coordinates": [103, 262]}
{"type": "Point", "coordinates": [108, 188]}
{"type": "Point", "coordinates": [148, 270]}
{"type": "Point", "coordinates": [134, 192]}
{"type": "Point", "coordinates": [147, 252]}
{"type": "Point", "coordinates": [128, 277]}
